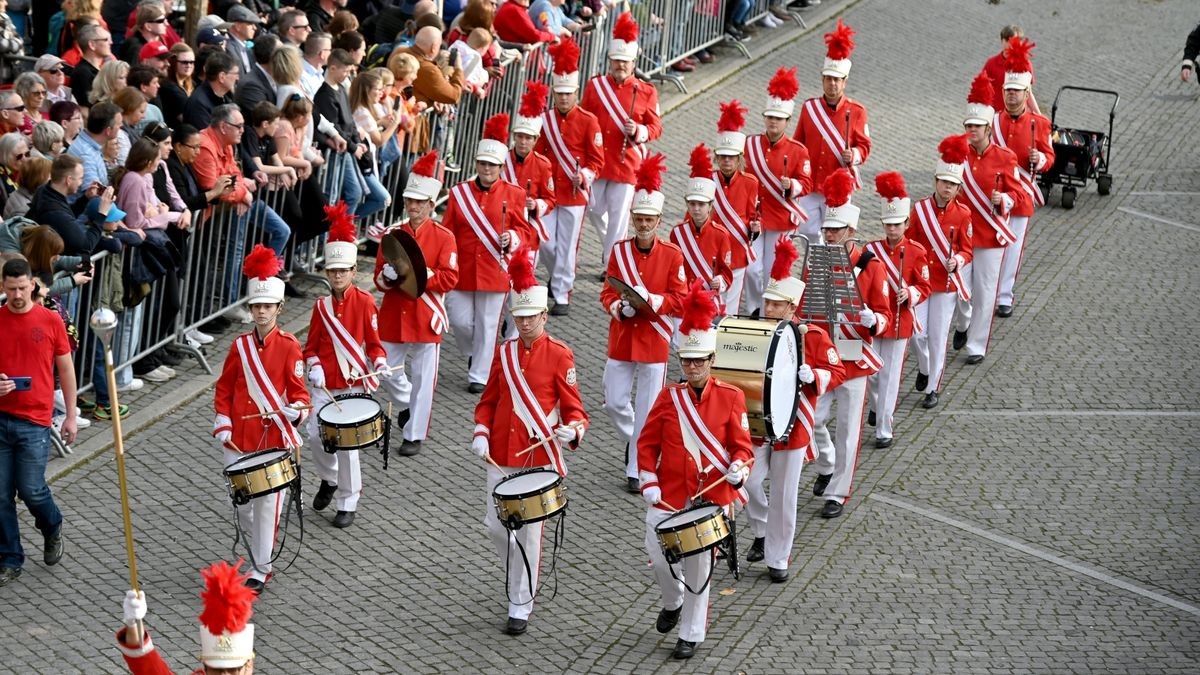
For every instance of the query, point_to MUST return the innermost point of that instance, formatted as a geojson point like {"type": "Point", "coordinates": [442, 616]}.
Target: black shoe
{"type": "Point", "coordinates": [756, 550]}
{"type": "Point", "coordinates": [974, 359]}
{"type": "Point", "coordinates": [324, 496]}
{"type": "Point", "coordinates": [409, 448]}
{"type": "Point", "coordinates": [1004, 311]}
{"type": "Point", "coordinates": [515, 626]}
{"type": "Point", "coordinates": [778, 576]}
{"type": "Point", "coordinates": [168, 357]}
{"type": "Point", "coordinates": [560, 309]}
{"type": "Point", "coordinates": [667, 619]}
{"type": "Point", "coordinates": [402, 418]}
{"type": "Point", "coordinates": [475, 388]}
{"type": "Point", "coordinates": [255, 585]}
{"type": "Point", "coordinates": [343, 519]}
{"type": "Point", "coordinates": [9, 575]}
{"type": "Point", "coordinates": [931, 400]}
{"type": "Point", "coordinates": [632, 486]}
{"type": "Point", "coordinates": [871, 418]}
{"type": "Point", "coordinates": [684, 650]}
{"type": "Point", "coordinates": [832, 509]}
{"type": "Point", "coordinates": [960, 339]}
{"type": "Point", "coordinates": [216, 325]}
{"type": "Point", "coordinates": [53, 551]}
{"type": "Point", "coordinates": [292, 292]}
{"type": "Point", "coordinates": [821, 483]}
{"type": "Point", "coordinates": [922, 382]}
{"type": "Point", "coordinates": [883, 442]}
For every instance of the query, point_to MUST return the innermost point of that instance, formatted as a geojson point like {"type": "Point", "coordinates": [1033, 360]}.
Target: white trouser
{"type": "Point", "coordinates": [259, 521]}
{"type": "Point", "coordinates": [764, 248]}
{"type": "Point", "coordinates": [884, 385]}
{"type": "Point", "coordinates": [608, 210]}
{"type": "Point", "coordinates": [520, 592]}
{"type": "Point", "coordinates": [774, 518]}
{"type": "Point", "coordinates": [339, 468]}
{"type": "Point", "coordinates": [627, 414]}
{"type": "Point", "coordinates": [475, 321]}
{"type": "Point", "coordinates": [930, 345]}
{"type": "Point", "coordinates": [975, 316]}
{"type": "Point", "coordinates": [1011, 265]}
{"type": "Point", "coordinates": [839, 455]}
{"type": "Point", "coordinates": [561, 251]}
{"type": "Point", "coordinates": [813, 204]}
{"type": "Point", "coordinates": [693, 569]}
{"type": "Point", "coordinates": [732, 297]}
{"type": "Point", "coordinates": [413, 386]}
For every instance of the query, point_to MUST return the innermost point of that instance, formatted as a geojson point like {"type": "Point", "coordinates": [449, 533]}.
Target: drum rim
{"type": "Point", "coordinates": [230, 471]}
{"type": "Point", "coordinates": [768, 412]}
{"type": "Point", "coordinates": [556, 484]}
{"type": "Point", "coordinates": [350, 425]}
{"type": "Point", "coordinates": [682, 526]}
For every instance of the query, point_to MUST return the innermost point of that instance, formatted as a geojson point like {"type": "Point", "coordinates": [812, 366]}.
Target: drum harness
{"type": "Point", "coordinates": [295, 498]}
{"type": "Point", "coordinates": [512, 525]}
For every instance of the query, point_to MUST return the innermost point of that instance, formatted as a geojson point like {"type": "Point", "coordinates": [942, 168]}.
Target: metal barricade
{"type": "Point", "coordinates": [677, 29]}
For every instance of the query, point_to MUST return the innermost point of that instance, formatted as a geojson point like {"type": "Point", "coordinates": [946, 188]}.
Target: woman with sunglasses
{"type": "Point", "coordinates": [14, 150]}
{"type": "Point", "coordinates": [180, 82]}
{"type": "Point", "coordinates": [32, 90]}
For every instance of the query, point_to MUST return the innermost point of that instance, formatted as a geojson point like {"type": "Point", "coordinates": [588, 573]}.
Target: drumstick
{"type": "Point", "coordinates": [669, 506]}
{"type": "Point", "coordinates": [275, 412]}
{"type": "Point", "coordinates": [232, 446]}
{"type": "Point", "coordinates": [530, 448]}
{"type": "Point", "coordinates": [331, 398]}
{"type": "Point", "coordinates": [491, 461]}
{"type": "Point", "coordinates": [381, 371]}
{"type": "Point", "coordinates": [718, 482]}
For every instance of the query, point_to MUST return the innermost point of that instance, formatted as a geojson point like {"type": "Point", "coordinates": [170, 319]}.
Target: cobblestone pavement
{"type": "Point", "coordinates": [1043, 519]}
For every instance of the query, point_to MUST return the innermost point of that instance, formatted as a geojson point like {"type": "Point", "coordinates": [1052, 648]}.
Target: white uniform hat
{"type": "Point", "coordinates": [624, 46]}
{"type": "Point", "coordinates": [701, 187]}
{"type": "Point", "coordinates": [527, 297]}
{"type": "Point", "coordinates": [260, 268]}
{"type": "Point", "coordinates": [529, 113]}
{"type": "Point", "coordinates": [565, 78]}
{"type": "Point", "coordinates": [697, 344]}
{"type": "Point", "coordinates": [648, 200]}
{"type": "Point", "coordinates": [226, 636]}
{"type": "Point", "coordinates": [781, 93]}
{"type": "Point", "coordinates": [839, 212]}
{"type": "Point", "coordinates": [730, 139]}
{"type": "Point", "coordinates": [731, 143]}
{"type": "Point", "coordinates": [952, 153]}
{"type": "Point", "coordinates": [895, 204]}
{"type": "Point", "coordinates": [697, 339]}
{"type": "Point", "coordinates": [531, 126]}
{"type": "Point", "coordinates": [421, 182]}
{"type": "Point", "coordinates": [647, 203]}
{"type": "Point", "coordinates": [493, 152]}
{"type": "Point", "coordinates": [341, 250]}
{"type": "Point", "coordinates": [979, 101]}
{"type": "Point", "coordinates": [788, 289]}
{"type": "Point", "coordinates": [1019, 74]}
{"type": "Point", "coordinates": [265, 291]}
{"type": "Point", "coordinates": [838, 45]}
{"type": "Point", "coordinates": [781, 285]}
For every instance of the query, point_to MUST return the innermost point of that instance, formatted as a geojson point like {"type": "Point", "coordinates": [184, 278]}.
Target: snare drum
{"type": "Point", "coordinates": [692, 531]}
{"type": "Point", "coordinates": [761, 357]}
{"type": "Point", "coordinates": [529, 497]}
{"type": "Point", "coordinates": [350, 422]}
{"type": "Point", "coordinates": [261, 473]}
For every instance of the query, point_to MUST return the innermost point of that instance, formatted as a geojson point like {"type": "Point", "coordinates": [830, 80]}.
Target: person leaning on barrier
{"type": "Point", "coordinates": [360, 189]}
{"type": "Point", "coordinates": [84, 230]}
{"type": "Point", "coordinates": [433, 84]}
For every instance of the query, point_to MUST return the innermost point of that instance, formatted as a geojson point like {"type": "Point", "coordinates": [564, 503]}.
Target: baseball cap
{"type": "Point", "coordinates": [153, 50]}
{"type": "Point", "coordinates": [93, 211]}
{"type": "Point", "coordinates": [211, 36]}
{"type": "Point", "coordinates": [48, 62]}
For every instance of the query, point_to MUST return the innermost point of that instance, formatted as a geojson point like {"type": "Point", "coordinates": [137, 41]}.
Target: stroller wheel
{"type": "Point", "coordinates": [1068, 198]}
{"type": "Point", "coordinates": [1104, 184]}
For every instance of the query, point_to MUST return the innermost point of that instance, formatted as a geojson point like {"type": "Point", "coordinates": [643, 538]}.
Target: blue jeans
{"type": "Point", "coordinates": [275, 235]}
{"type": "Point", "coordinates": [741, 10]}
{"type": "Point", "coordinates": [24, 452]}
{"type": "Point", "coordinates": [375, 201]}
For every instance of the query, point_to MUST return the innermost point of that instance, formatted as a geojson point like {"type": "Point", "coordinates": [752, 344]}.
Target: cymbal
{"type": "Point", "coordinates": [631, 296]}
{"type": "Point", "coordinates": [402, 251]}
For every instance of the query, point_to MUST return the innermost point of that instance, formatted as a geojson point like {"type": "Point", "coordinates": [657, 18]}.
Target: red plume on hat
{"type": "Point", "coordinates": [837, 188]}
{"type": "Point", "coordinates": [890, 185]}
{"type": "Point", "coordinates": [1018, 55]}
{"type": "Point", "coordinates": [261, 263]}
{"type": "Point", "coordinates": [840, 42]}
{"type": "Point", "coordinates": [783, 84]}
{"type": "Point", "coordinates": [649, 174]}
{"type": "Point", "coordinates": [982, 91]}
{"type": "Point", "coordinates": [227, 601]}
{"type": "Point", "coordinates": [341, 222]}
{"type": "Point", "coordinates": [626, 28]}
{"type": "Point", "coordinates": [785, 256]}
{"type": "Point", "coordinates": [700, 162]}
{"type": "Point", "coordinates": [699, 308]}
{"type": "Point", "coordinates": [953, 149]}
{"type": "Point", "coordinates": [533, 101]}
{"type": "Point", "coordinates": [733, 116]}
{"type": "Point", "coordinates": [566, 56]}
{"type": "Point", "coordinates": [427, 165]}
{"type": "Point", "coordinates": [496, 128]}
{"type": "Point", "coordinates": [520, 270]}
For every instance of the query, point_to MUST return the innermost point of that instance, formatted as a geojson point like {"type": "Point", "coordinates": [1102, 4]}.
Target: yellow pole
{"type": "Point", "coordinates": [119, 444]}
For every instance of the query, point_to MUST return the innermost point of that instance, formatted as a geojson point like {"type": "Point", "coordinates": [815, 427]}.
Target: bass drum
{"type": "Point", "coordinates": [761, 357]}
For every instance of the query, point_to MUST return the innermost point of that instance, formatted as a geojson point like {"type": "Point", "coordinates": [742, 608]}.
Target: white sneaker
{"type": "Point", "coordinates": [198, 337]}
{"type": "Point", "coordinates": [156, 375]}
{"type": "Point", "coordinates": [770, 21]}
{"type": "Point", "coordinates": [133, 385]}
{"type": "Point", "coordinates": [167, 370]}
{"type": "Point", "coordinates": [238, 313]}
{"type": "Point", "coordinates": [82, 422]}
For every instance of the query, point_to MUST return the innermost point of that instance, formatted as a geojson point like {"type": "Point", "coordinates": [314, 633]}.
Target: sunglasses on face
{"type": "Point", "coordinates": [21, 155]}
{"type": "Point", "coordinates": [162, 20]}
{"type": "Point", "coordinates": [39, 92]}
{"type": "Point", "coordinates": [186, 63]}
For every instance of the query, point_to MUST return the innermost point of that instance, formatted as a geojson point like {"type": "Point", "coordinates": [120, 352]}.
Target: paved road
{"type": "Point", "coordinates": [1042, 520]}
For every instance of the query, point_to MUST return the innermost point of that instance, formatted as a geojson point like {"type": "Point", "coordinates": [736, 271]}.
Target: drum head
{"type": "Point", "coordinates": [782, 393]}
{"type": "Point", "coordinates": [688, 517]}
{"type": "Point", "coordinates": [353, 410]}
{"type": "Point", "coordinates": [526, 483]}
{"type": "Point", "coordinates": [256, 460]}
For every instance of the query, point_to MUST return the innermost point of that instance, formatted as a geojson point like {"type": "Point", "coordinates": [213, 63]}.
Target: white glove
{"type": "Point", "coordinates": [614, 310]}
{"type": "Point", "coordinates": [737, 473]}
{"type": "Point", "coordinates": [655, 301]}
{"type": "Point", "coordinates": [652, 495]}
{"type": "Point", "coordinates": [805, 374]}
{"type": "Point", "coordinates": [641, 290]}
{"type": "Point", "coordinates": [479, 446]}
{"type": "Point", "coordinates": [389, 272]}
{"type": "Point", "coordinates": [566, 433]}
{"type": "Point", "coordinates": [316, 375]}
{"type": "Point", "coordinates": [381, 366]}
{"type": "Point", "coordinates": [224, 436]}
{"type": "Point", "coordinates": [627, 310]}
{"type": "Point", "coordinates": [866, 318]}
{"type": "Point", "coordinates": [134, 607]}
{"type": "Point", "coordinates": [290, 413]}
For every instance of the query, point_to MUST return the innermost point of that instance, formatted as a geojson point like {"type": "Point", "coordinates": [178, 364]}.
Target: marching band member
{"type": "Point", "coordinates": [773, 520]}
{"type": "Point", "coordinates": [531, 395]}
{"type": "Point", "coordinates": [853, 335]}
{"type": "Point", "coordinates": [784, 175]}
{"type": "Point", "coordinates": [832, 126]}
{"type": "Point", "coordinates": [906, 264]}
{"type": "Point", "coordinates": [343, 348]}
{"type": "Point", "coordinates": [263, 376]}
{"type": "Point", "coordinates": [639, 342]}
{"type": "Point", "coordinates": [571, 139]}
{"type": "Point", "coordinates": [992, 190]}
{"type": "Point", "coordinates": [527, 168]}
{"type": "Point", "coordinates": [627, 111]}
{"type": "Point", "coordinates": [696, 434]}
{"type": "Point", "coordinates": [735, 199]}
{"type": "Point", "coordinates": [486, 230]}
{"type": "Point", "coordinates": [705, 244]}
{"type": "Point", "coordinates": [412, 328]}
{"type": "Point", "coordinates": [943, 227]}
{"type": "Point", "coordinates": [1027, 134]}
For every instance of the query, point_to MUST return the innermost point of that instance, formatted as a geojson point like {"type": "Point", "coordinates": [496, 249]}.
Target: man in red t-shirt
{"type": "Point", "coordinates": [35, 343]}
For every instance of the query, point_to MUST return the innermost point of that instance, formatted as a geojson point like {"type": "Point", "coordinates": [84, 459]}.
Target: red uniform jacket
{"type": "Point", "coordinates": [356, 310]}
{"type": "Point", "coordinates": [980, 176]}
{"type": "Point", "coordinates": [634, 338]}
{"type": "Point", "coordinates": [282, 359]}
{"type": "Point", "coordinates": [549, 368]}
{"type": "Point", "coordinates": [536, 175]}
{"type": "Point", "coordinates": [825, 160]}
{"type": "Point", "coordinates": [503, 208]}
{"type": "Point", "coordinates": [423, 319]}
{"type": "Point", "coordinates": [714, 243]}
{"type": "Point", "coordinates": [609, 101]}
{"type": "Point", "coordinates": [915, 276]}
{"type": "Point", "coordinates": [954, 219]}
{"type": "Point", "coordinates": [582, 141]}
{"type": "Point", "coordinates": [740, 193]}
{"type": "Point", "coordinates": [775, 215]}
{"type": "Point", "coordinates": [145, 660]}
{"type": "Point", "coordinates": [1019, 134]}
{"type": "Point", "coordinates": [665, 462]}
{"type": "Point", "coordinates": [822, 357]}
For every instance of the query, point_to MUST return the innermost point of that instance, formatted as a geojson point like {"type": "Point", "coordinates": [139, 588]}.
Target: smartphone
{"type": "Point", "coordinates": [85, 266]}
{"type": "Point", "coordinates": [23, 383]}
